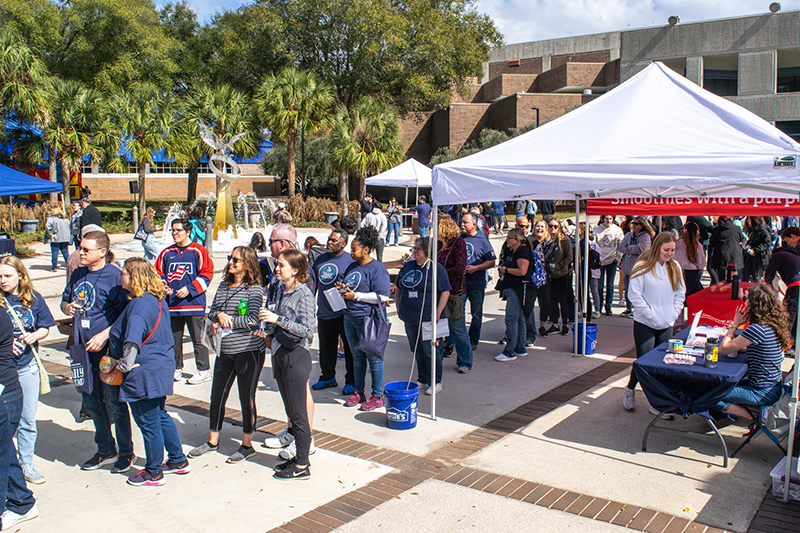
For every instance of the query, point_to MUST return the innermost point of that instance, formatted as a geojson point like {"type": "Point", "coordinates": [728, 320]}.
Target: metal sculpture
{"type": "Point", "coordinates": [217, 163]}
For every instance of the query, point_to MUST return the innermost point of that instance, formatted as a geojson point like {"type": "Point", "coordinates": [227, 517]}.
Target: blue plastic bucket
{"type": "Point", "coordinates": [591, 337]}
{"type": "Point", "coordinates": [401, 404]}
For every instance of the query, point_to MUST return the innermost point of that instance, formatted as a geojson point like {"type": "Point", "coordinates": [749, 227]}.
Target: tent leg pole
{"type": "Point", "coordinates": [11, 214]}
{"type": "Point", "coordinates": [586, 306]}
{"type": "Point", "coordinates": [792, 418]}
{"type": "Point", "coordinates": [577, 260]}
{"type": "Point", "coordinates": [434, 301]}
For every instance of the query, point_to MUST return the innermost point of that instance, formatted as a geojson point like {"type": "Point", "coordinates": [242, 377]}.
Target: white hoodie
{"type": "Point", "coordinates": [377, 220]}
{"type": "Point", "coordinates": [655, 304]}
{"type": "Point", "coordinates": [608, 239]}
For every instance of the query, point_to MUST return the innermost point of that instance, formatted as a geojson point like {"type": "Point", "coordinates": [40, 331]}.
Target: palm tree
{"type": "Point", "coordinates": [77, 125]}
{"type": "Point", "coordinates": [22, 78]}
{"type": "Point", "coordinates": [292, 103]}
{"type": "Point", "coordinates": [145, 118]}
{"type": "Point", "coordinates": [364, 140]}
{"type": "Point", "coordinates": [226, 112]}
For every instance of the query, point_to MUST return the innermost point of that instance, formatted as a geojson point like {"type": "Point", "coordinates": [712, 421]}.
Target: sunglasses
{"type": "Point", "coordinates": [636, 223]}
{"type": "Point", "coordinates": [273, 241]}
{"type": "Point", "coordinates": [554, 226]}
{"type": "Point", "coordinates": [87, 250]}
{"type": "Point", "coordinates": [235, 260]}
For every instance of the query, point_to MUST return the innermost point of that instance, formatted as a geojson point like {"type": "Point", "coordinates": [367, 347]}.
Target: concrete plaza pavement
{"type": "Point", "coordinates": [584, 445]}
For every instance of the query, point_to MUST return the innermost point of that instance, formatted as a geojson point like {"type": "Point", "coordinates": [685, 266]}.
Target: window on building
{"type": "Point", "coordinates": [721, 82]}
{"type": "Point", "coordinates": [86, 167]}
{"type": "Point", "coordinates": [790, 127]}
{"type": "Point", "coordinates": [789, 80]}
{"type": "Point", "coordinates": [205, 169]}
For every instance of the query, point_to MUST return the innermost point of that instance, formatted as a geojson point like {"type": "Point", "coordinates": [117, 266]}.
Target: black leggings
{"type": "Point", "coordinates": [545, 302]}
{"type": "Point", "coordinates": [291, 370]}
{"type": "Point", "coordinates": [646, 338]}
{"type": "Point", "coordinates": [245, 367]}
{"type": "Point", "coordinates": [560, 294]}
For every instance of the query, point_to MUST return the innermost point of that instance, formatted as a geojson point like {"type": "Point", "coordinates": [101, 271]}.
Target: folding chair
{"type": "Point", "coordinates": [776, 435]}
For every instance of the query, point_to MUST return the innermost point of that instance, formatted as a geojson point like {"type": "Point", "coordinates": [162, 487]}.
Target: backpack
{"type": "Point", "coordinates": [594, 259]}
{"type": "Point", "coordinates": [198, 232]}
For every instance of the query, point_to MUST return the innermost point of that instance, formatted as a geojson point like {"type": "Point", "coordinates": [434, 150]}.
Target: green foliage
{"type": "Point", "coordinates": [317, 162]}
{"type": "Point", "coordinates": [365, 140]}
{"type": "Point", "coordinates": [22, 77]}
{"type": "Point", "coordinates": [291, 103]}
{"type": "Point", "coordinates": [102, 43]}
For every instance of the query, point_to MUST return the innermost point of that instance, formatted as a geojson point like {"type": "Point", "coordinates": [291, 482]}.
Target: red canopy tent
{"type": "Point", "coordinates": [679, 205]}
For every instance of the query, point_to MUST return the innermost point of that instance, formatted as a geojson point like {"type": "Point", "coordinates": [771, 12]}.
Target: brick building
{"type": "Point", "coordinates": [752, 60]}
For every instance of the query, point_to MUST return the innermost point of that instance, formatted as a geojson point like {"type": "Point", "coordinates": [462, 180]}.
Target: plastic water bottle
{"type": "Point", "coordinates": [243, 310]}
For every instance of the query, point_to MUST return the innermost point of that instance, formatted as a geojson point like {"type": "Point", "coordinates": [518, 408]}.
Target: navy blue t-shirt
{"type": "Point", "coordinates": [414, 287]}
{"type": "Point", "coordinates": [370, 277]}
{"type": "Point", "coordinates": [33, 318]}
{"type": "Point", "coordinates": [479, 250]}
{"type": "Point", "coordinates": [103, 296]}
{"type": "Point", "coordinates": [327, 271]}
{"type": "Point", "coordinates": [153, 378]}
{"type": "Point", "coordinates": [424, 212]}
{"type": "Point", "coordinates": [9, 377]}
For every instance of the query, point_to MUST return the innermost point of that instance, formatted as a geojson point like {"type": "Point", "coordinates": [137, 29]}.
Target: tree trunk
{"type": "Point", "coordinates": [64, 185]}
{"type": "Point", "coordinates": [141, 166]}
{"type": "Point", "coordinates": [343, 192]}
{"type": "Point", "coordinates": [290, 171]}
{"type": "Point", "coordinates": [51, 160]}
{"type": "Point", "coordinates": [191, 192]}
{"type": "Point", "coordinates": [356, 185]}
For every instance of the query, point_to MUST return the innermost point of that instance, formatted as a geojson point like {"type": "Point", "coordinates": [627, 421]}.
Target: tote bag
{"type": "Point", "coordinates": [81, 366]}
{"type": "Point", "coordinates": [375, 333]}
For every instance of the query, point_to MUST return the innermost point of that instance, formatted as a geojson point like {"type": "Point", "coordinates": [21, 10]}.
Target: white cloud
{"type": "Point", "coordinates": [534, 20]}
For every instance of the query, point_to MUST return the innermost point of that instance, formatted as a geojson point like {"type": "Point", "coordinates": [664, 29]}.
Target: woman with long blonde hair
{"type": "Point", "coordinates": [142, 342]}
{"type": "Point", "coordinates": [31, 319]}
{"type": "Point", "coordinates": [656, 291]}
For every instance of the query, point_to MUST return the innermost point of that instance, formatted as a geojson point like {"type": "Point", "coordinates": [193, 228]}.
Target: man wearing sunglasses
{"type": "Point", "coordinates": [187, 269]}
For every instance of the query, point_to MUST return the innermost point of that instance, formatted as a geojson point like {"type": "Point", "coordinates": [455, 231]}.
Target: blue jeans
{"type": "Point", "coordinates": [475, 298]}
{"type": "Point", "coordinates": [515, 324]}
{"type": "Point", "coordinates": [530, 326]}
{"type": "Point", "coordinates": [26, 434]}
{"type": "Point", "coordinates": [460, 338]}
{"type": "Point", "coordinates": [608, 274]}
{"type": "Point", "coordinates": [14, 493]}
{"type": "Point", "coordinates": [55, 248]}
{"type": "Point", "coordinates": [393, 226]}
{"type": "Point", "coordinates": [102, 396]}
{"type": "Point", "coordinates": [747, 395]}
{"type": "Point", "coordinates": [159, 431]}
{"type": "Point", "coordinates": [422, 354]}
{"type": "Point", "coordinates": [352, 329]}
{"type": "Point", "coordinates": [423, 231]}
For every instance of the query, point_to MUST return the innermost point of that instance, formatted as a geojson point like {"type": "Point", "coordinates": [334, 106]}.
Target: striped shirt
{"type": "Point", "coordinates": [296, 314]}
{"type": "Point", "coordinates": [764, 356]}
{"type": "Point", "coordinates": [226, 300]}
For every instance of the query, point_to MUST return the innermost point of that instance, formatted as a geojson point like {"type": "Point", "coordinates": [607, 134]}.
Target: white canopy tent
{"type": "Point", "coordinates": [657, 135]}
{"type": "Point", "coordinates": [411, 173]}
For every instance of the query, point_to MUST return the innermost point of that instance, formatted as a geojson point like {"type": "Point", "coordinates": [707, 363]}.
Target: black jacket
{"type": "Point", "coordinates": [705, 225]}
{"type": "Point", "coordinates": [91, 215]}
{"type": "Point", "coordinates": [725, 245]}
{"type": "Point", "coordinates": [786, 262]}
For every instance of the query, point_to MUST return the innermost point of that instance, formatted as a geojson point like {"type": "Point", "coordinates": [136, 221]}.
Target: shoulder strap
{"type": "Point", "coordinates": [156, 326]}
{"type": "Point", "coordinates": [19, 322]}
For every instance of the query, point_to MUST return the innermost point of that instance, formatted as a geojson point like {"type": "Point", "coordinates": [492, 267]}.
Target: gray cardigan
{"type": "Point", "coordinates": [58, 229]}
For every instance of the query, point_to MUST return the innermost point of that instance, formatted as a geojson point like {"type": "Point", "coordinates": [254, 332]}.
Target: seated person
{"type": "Point", "coordinates": [765, 339]}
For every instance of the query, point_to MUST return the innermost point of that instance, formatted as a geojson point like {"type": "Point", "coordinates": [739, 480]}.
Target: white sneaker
{"type": "Point", "coordinates": [664, 416]}
{"type": "Point", "coordinates": [503, 358]}
{"type": "Point", "coordinates": [201, 377]}
{"type": "Point", "coordinates": [628, 398]}
{"type": "Point", "coordinates": [522, 354]}
{"type": "Point", "coordinates": [11, 519]}
{"type": "Point", "coordinates": [281, 440]}
{"type": "Point", "coordinates": [430, 389]}
{"type": "Point", "coordinates": [290, 452]}
{"type": "Point", "coordinates": [178, 374]}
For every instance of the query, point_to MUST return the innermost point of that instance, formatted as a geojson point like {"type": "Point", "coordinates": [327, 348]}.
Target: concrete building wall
{"type": "Point", "coordinates": [758, 72]}
{"type": "Point", "coordinates": [694, 69]}
{"type": "Point", "coordinates": [776, 107]}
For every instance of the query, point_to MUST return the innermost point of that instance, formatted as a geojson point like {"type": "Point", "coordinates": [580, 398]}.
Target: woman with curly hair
{"type": "Point", "coordinates": [764, 339]}
{"type": "Point", "coordinates": [656, 290]}
{"type": "Point", "coordinates": [453, 256]}
{"type": "Point", "coordinates": [366, 286]}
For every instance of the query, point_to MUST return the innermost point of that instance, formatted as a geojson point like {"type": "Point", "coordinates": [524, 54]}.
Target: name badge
{"type": "Point", "coordinates": [86, 323]}
{"type": "Point", "coordinates": [412, 294]}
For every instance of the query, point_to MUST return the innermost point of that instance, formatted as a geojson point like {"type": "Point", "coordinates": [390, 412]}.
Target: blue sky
{"type": "Point", "coordinates": [533, 20]}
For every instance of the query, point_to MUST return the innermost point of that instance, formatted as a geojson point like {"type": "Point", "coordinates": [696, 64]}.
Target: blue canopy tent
{"type": "Point", "coordinates": [14, 182]}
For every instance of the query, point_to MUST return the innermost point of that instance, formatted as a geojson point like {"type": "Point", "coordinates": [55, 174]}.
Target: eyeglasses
{"type": "Point", "coordinates": [634, 223]}
{"type": "Point", "coordinates": [415, 248]}
{"type": "Point", "coordinates": [235, 260]}
{"type": "Point", "coordinates": [287, 241]}
{"type": "Point", "coordinates": [87, 250]}
{"type": "Point", "coordinates": [173, 230]}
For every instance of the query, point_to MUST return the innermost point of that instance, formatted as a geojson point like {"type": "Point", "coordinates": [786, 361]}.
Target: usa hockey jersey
{"type": "Point", "coordinates": [189, 267]}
